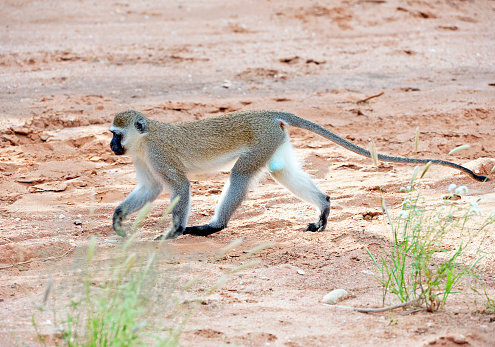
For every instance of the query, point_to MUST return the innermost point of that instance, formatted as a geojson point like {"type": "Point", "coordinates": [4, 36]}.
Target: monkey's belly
{"type": "Point", "coordinates": [224, 162]}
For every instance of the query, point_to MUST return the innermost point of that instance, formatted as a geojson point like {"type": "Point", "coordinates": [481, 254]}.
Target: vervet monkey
{"type": "Point", "coordinates": [163, 153]}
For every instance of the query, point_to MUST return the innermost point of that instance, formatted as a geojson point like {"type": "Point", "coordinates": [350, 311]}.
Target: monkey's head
{"type": "Point", "coordinates": [128, 129]}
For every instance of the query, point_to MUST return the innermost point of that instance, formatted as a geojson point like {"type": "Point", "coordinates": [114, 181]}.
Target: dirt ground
{"type": "Point", "coordinates": [67, 67]}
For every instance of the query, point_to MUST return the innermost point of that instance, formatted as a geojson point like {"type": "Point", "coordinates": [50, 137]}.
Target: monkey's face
{"type": "Point", "coordinates": [128, 129]}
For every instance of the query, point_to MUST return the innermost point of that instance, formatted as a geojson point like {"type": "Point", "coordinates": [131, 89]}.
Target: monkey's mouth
{"type": "Point", "coordinates": [117, 150]}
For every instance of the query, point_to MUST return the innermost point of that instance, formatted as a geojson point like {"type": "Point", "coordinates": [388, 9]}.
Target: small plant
{"type": "Point", "coordinates": [420, 262]}
{"type": "Point", "coordinates": [111, 303]}
{"type": "Point", "coordinates": [489, 301]}
{"type": "Point", "coordinates": [111, 310]}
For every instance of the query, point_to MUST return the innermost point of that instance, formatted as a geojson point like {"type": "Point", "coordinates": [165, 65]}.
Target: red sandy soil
{"type": "Point", "coordinates": [67, 67]}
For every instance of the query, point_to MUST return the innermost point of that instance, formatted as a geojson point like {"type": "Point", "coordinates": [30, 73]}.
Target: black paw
{"type": "Point", "coordinates": [322, 222]}
{"type": "Point", "coordinates": [314, 227]}
{"type": "Point", "coordinates": [202, 230]}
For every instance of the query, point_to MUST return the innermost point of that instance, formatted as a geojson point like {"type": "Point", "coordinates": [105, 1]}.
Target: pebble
{"type": "Point", "coordinates": [335, 296]}
{"type": "Point", "coordinates": [367, 272]}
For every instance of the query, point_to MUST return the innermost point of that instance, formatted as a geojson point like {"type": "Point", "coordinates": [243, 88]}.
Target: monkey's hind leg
{"type": "Point", "coordinates": [298, 182]}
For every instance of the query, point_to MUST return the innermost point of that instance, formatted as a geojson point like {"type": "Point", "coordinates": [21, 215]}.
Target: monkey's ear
{"type": "Point", "coordinates": [140, 125]}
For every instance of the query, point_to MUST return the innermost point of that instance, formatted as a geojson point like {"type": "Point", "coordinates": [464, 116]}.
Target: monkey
{"type": "Point", "coordinates": [253, 141]}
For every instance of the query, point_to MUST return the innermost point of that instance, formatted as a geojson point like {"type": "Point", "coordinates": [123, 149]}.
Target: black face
{"type": "Point", "coordinates": [116, 145]}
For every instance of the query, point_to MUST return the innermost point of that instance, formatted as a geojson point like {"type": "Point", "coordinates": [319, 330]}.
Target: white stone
{"type": "Point", "coordinates": [335, 296]}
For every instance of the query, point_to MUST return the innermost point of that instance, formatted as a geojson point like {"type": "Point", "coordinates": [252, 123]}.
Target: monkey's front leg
{"type": "Point", "coordinates": [134, 201]}
{"type": "Point", "coordinates": [180, 212]}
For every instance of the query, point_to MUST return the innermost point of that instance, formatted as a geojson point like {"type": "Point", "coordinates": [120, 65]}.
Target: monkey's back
{"type": "Point", "coordinates": [213, 142]}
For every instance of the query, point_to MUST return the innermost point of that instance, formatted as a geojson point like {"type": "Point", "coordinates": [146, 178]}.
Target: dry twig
{"type": "Point", "coordinates": [370, 97]}
{"type": "Point", "coordinates": [382, 309]}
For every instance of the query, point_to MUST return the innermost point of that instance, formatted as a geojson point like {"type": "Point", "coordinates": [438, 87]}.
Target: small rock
{"type": "Point", "coordinates": [22, 131]}
{"type": "Point", "coordinates": [301, 272]}
{"type": "Point", "coordinates": [367, 272]}
{"type": "Point", "coordinates": [226, 84]}
{"type": "Point", "coordinates": [77, 222]}
{"type": "Point", "coordinates": [30, 179]}
{"type": "Point", "coordinates": [335, 296]}
{"type": "Point", "coordinates": [48, 187]}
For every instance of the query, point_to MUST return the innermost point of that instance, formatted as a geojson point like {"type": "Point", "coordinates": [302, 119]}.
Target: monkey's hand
{"type": "Point", "coordinates": [117, 223]}
{"type": "Point", "coordinates": [118, 229]}
{"type": "Point", "coordinates": [120, 232]}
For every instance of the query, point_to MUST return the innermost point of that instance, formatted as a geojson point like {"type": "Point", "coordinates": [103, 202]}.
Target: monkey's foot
{"type": "Point", "coordinates": [172, 234]}
{"type": "Point", "coordinates": [321, 224]}
{"type": "Point", "coordinates": [314, 227]}
{"type": "Point", "coordinates": [203, 230]}
{"type": "Point", "coordinates": [168, 236]}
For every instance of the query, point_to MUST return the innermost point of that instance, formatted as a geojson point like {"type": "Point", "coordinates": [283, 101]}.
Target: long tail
{"type": "Point", "coordinates": [298, 122]}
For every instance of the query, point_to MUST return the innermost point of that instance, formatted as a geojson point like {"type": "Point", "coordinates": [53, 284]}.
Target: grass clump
{"type": "Point", "coordinates": [112, 302]}
{"type": "Point", "coordinates": [433, 248]}
{"type": "Point", "coordinates": [127, 296]}
{"type": "Point", "coordinates": [111, 313]}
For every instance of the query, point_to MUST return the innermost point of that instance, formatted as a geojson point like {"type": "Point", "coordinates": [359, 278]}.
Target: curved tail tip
{"type": "Point", "coordinates": [481, 178]}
